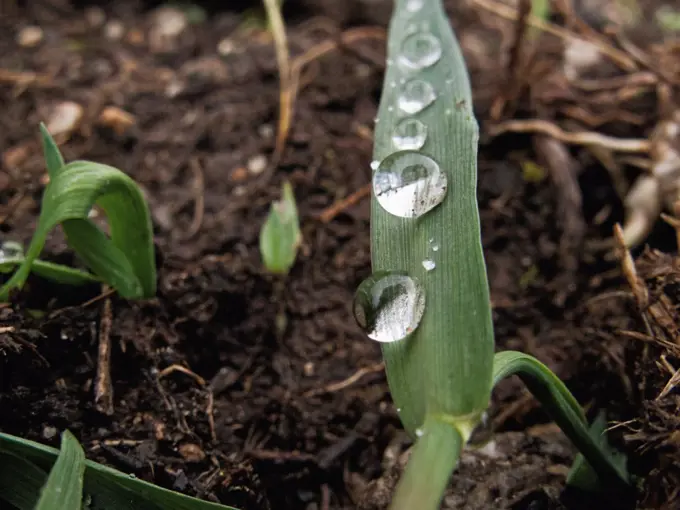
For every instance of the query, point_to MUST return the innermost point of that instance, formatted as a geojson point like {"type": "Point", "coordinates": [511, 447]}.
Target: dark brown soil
{"type": "Point", "coordinates": [252, 417]}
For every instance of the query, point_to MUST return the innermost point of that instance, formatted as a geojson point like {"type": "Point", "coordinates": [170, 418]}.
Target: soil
{"type": "Point", "coordinates": [225, 386]}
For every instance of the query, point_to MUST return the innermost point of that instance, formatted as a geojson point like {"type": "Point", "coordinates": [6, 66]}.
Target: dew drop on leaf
{"type": "Point", "coordinates": [408, 184]}
{"type": "Point", "coordinates": [414, 5]}
{"type": "Point", "coordinates": [420, 50]}
{"type": "Point", "coordinates": [409, 134]}
{"type": "Point", "coordinates": [429, 264]}
{"type": "Point", "coordinates": [415, 96]}
{"type": "Point", "coordinates": [389, 305]}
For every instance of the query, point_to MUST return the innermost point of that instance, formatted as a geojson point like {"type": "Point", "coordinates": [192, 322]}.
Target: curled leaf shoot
{"type": "Point", "coordinates": [280, 235]}
{"type": "Point", "coordinates": [125, 259]}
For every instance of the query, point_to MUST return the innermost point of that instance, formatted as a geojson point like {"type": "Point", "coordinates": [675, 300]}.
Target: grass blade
{"type": "Point", "coordinates": [106, 488]}
{"type": "Point", "coordinates": [444, 367]}
{"type": "Point", "coordinates": [126, 259]}
{"type": "Point", "coordinates": [64, 487]}
{"type": "Point", "coordinates": [563, 408]}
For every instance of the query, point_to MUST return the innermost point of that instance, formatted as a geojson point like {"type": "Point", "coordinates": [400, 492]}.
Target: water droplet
{"type": "Point", "coordinates": [419, 432]}
{"type": "Point", "coordinates": [398, 409]}
{"type": "Point", "coordinates": [389, 305]}
{"type": "Point", "coordinates": [409, 134]}
{"type": "Point", "coordinates": [414, 5]}
{"type": "Point", "coordinates": [408, 184]}
{"type": "Point", "coordinates": [10, 250]}
{"type": "Point", "coordinates": [375, 164]}
{"type": "Point", "coordinates": [435, 247]}
{"type": "Point", "coordinates": [390, 108]}
{"type": "Point", "coordinates": [420, 50]}
{"type": "Point", "coordinates": [429, 264]}
{"type": "Point", "coordinates": [415, 96]}
{"type": "Point", "coordinates": [482, 433]}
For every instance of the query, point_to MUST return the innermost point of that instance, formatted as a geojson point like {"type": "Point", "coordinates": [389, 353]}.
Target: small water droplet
{"type": "Point", "coordinates": [398, 409]}
{"type": "Point", "coordinates": [448, 111]}
{"type": "Point", "coordinates": [408, 184]}
{"type": "Point", "coordinates": [420, 50]}
{"type": "Point", "coordinates": [389, 305]}
{"type": "Point", "coordinates": [409, 134]}
{"type": "Point", "coordinates": [435, 247]}
{"type": "Point", "coordinates": [390, 108]}
{"type": "Point", "coordinates": [376, 120]}
{"type": "Point", "coordinates": [415, 96]}
{"type": "Point", "coordinates": [419, 432]}
{"type": "Point", "coordinates": [482, 433]}
{"type": "Point", "coordinates": [375, 164]}
{"type": "Point", "coordinates": [10, 250]}
{"type": "Point", "coordinates": [414, 5]}
{"type": "Point", "coordinates": [429, 264]}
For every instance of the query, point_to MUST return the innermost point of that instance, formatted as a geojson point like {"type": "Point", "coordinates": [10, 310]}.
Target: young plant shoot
{"type": "Point", "coordinates": [427, 301]}
{"type": "Point", "coordinates": [125, 260]}
{"type": "Point", "coordinates": [280, 234]}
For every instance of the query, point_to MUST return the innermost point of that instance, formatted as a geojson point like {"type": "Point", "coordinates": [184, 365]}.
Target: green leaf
{"type": "Point", "coordinates": [126, 259]}
{"type": "Point", "coordinates": [563, 408]}
{"type": "Point", "coordinates": [23, 471]}
{"type": "Point", "coordinates": [581, 474]}
{"type": "Point", "coordinates": [444, 367]}
{"type": "Point", "coordinates": [64, 487]}
{"type": "Point", "coordinates": [280, 234]}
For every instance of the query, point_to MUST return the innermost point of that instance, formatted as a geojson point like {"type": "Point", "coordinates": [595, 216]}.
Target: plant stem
{"type": "Point", "coordinates": [433, 459]}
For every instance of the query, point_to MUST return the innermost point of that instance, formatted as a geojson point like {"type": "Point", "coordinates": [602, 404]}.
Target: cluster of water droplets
{"type": "Point", "coordinates": [407, 183]}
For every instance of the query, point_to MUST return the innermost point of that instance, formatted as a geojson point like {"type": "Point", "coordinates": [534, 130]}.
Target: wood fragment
{"type": "Point", "coordinates": [103, 387]}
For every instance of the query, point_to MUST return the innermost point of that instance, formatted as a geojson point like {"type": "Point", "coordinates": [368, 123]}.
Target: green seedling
{"type": "Point", "coordinates": [428, 299]}
{"type": "Point", "coordinates": [125, 259]}
{"type": "Point", "coordinates": [280, 235]}
{"type": "Point", "coordinates": [37, 477]}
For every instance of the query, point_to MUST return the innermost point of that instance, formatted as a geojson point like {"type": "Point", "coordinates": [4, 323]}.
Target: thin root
{"type": "Point", "coordinates": [578, 138]}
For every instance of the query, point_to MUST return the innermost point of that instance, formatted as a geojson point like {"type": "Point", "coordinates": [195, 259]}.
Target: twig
{"type": "Point", "coordinates": [199, 200]}
{"type": "Point", "coordinates": [6, 329]}
{"type": "Point", "coordinates": [504, 11]}
{"type": "Point", "coordinates": [278, 30]}
{"type": "Point", "coordinates": [510, 87]}
{"type": "Point", "coordinates": [209, 410]}
{"type": "Point", "coordinates": [103, 295]}
{"type": "Point", "coordinates": [578, 138]}
{"type": "Point", "coordinates": [336, 208]}
{"type": "Point", "coordinates": [341, 385]}
{"type": "Point", "coordinates": [103, 388]}
{"type": "Point", "coordinates": [179, 368]}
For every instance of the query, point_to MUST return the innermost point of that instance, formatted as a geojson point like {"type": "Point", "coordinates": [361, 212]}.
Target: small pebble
{"type": "Point", "coordinates": [95, 16]}
{"type": "Point", "coordinates": [114, 30]}
{"type": "Point", "coordinates": [115, 118]}
{"type": "Point", "coordinates": [191, 452]}
{"type": "Point", "coordinates": [168, 22]}
{"type": "Point", "coordinates": [309, 369]}
{"type": "Point", "coordinates": [257, 164]}
{"type": "Point", "coordinates": [226, 47]}
{"type": "Point", "coordinates": [30, 37]}
{"type": "Point", "coordinates": [49, 432]}
{"type": "Point", "coordinates": [65, 118]}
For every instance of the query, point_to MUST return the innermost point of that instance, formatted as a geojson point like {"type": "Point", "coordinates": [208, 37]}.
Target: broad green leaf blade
{"type": "Point", "coordinates": [53, 158]}
{"type": "Point", "coordinates": [64, 487]}
{"type": "Point", "coordinates": [563, 408]}
{"type": "Point", "coordinates": [105, 488]}
{"type": "Point", "coordinates": [280, 234]}
{"type": "Point", "coordinates": [20, 481]}
{"type": "Point", "coordinates": [429, 469]}
{"type": "Point", "coordinates": [444, 367]}
{"type": "Point", "coordinates": [127, 259]}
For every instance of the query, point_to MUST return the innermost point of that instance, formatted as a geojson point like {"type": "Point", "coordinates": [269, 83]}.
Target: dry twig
{"type": "Point", "coordinates": [103, 388]}
{"type": "Point", "coordinates": [341, 385]}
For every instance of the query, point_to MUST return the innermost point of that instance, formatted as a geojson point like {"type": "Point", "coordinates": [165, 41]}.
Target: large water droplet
{"type": "Point", "coordinates": [389, 305]}
{"type": "Point", "coordinates": [415, 96]}
{"type": "Point", "coordinates": [414, 5]}
{"type": "Point", "coordinates": [429, 264]}
{"type": "Point", "coordinates": [408, 184]}
{"type": "Point", "coordinates": [420, 50]}
{"type": "Point", "coordinates": [10, 250]}
{"type": "Point", "coordinates": [409, 134]}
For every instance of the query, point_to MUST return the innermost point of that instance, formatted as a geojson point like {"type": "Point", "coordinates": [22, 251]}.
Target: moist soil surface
{"type": "Point", "coordinates": [260, 391]}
